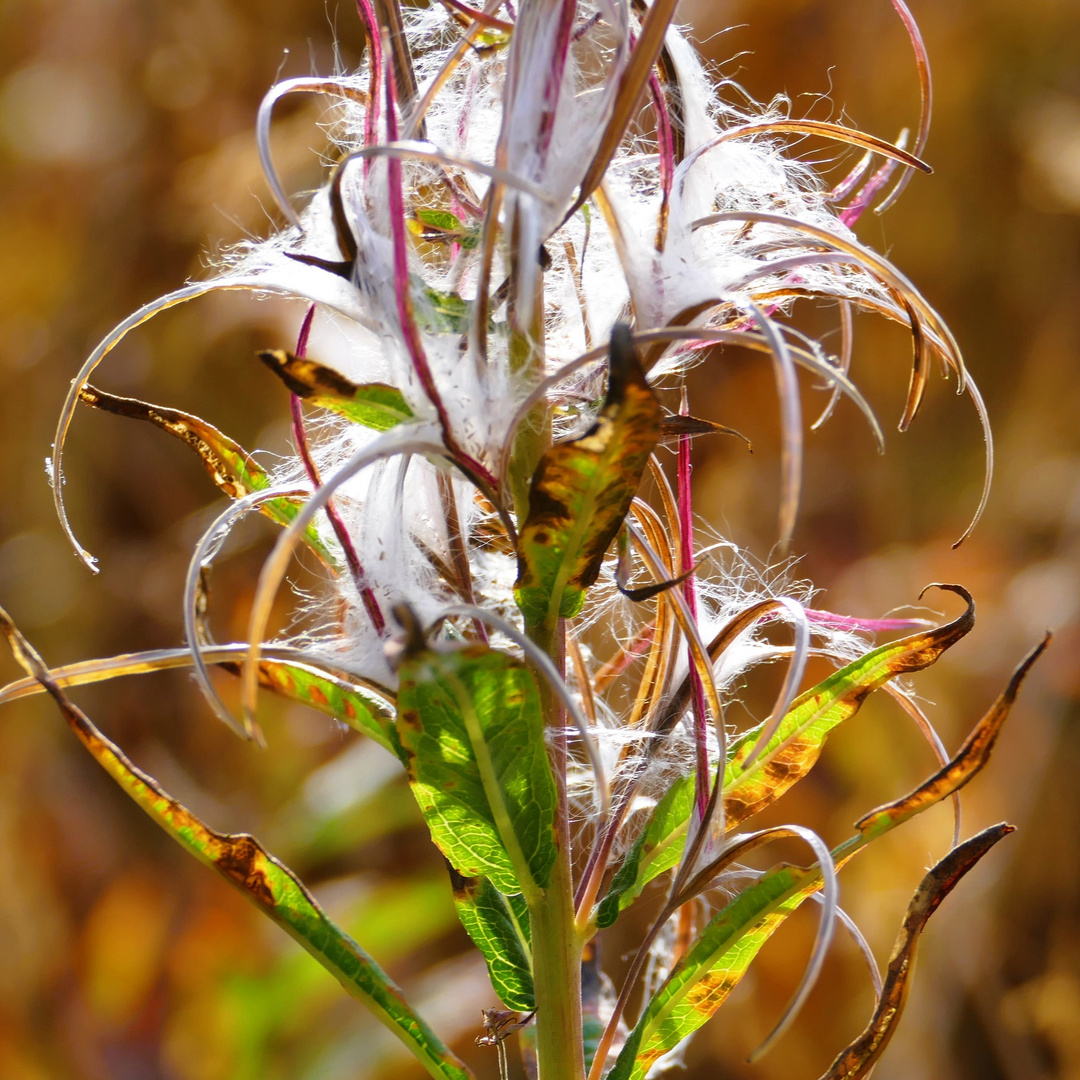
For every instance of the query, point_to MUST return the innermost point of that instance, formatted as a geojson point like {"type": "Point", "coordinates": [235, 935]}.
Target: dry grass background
{"type": "Point", "coordinates": [126, 150]}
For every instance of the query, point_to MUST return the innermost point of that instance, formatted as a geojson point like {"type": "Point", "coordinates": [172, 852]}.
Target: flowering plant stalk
{"type": "Point", "coordinates": [541, 217]}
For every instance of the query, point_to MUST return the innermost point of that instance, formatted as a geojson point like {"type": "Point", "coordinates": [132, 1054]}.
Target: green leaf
{"type": "Point", "coordinates": [793, 750]}
{"type": "Point", "coordinates": [245, 864]}
{"type": "Point", "coordinates": [718, 959]}
{"type": "Point", "coordinates": [712, 968]}
{"type": "Point", "coordinates": [581, 492]}
{"type": "Point", "coordinates": [372, 405]}
{"type": "Point", "coordinates": [230, 466]}
{"type": "Point", "coordinates": [442, 313]}
{"type": "Point", "coordinates": [429, 224]}
{"type": "Point", "coordinates": [351, 703]}
{"type": "Point", "coordinates": [658, 848]}
{"type": "Point", "coordinates": [470, 725]}
{"type": "Point", "coordinates": [442, 220]}
{"type": "Point", "coordinates": [493, 926]}
{"type": "Point", "coordinates": [788, 757]}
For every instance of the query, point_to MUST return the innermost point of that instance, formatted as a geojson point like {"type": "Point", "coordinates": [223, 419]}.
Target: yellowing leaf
{"type": "Point", "coordinates": [230, 466]}
{"type": "Point", "coordinates": [581, 492]}
{"type": "Point", "coordinates": [374, 405]}
{"type": "Point", "coordinates": [248, 866]}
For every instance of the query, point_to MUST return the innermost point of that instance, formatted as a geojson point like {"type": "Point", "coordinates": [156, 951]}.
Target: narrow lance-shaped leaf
{"type": "Point", "coordinates": [493, 925]}
{"type": "Point", "coordinates": [793, 750]}
{"type": "Point", "coordinates": [789, 756]}
{"type": "Point", "coordinates": [859, 1058]}
{"type": "Point", "coordinates": [658, 848]}
{"type": "Point", "coordinates": [471, 728]}
{"type": "Point", "coordinates": [720, 956]}
{"type": "Point", "coordinates": [245, 864]}
{"type": "Point", "coordinates": [581, 492]}
{"type": "Point", "coordinates": [229, 465]}
{"type": "Point", "coordinates": [352, 704]}
{"type": "Point", "coordinates": [373, 405]}
{"type": "Point", "coordinates": [365, 708]}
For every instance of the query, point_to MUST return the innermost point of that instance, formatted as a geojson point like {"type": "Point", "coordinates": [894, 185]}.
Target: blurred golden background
{"type": "Point", "coordinates": [126, 154]}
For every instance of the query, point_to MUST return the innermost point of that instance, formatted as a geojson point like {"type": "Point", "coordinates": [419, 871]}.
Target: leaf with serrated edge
{"type": "Point", "coordinates": [581, 492]}
{"type": "Point", "coordinates": [470, 725]}
{"type": "Point", "coordinates": [493, 926]}
{"type": "Point", "coordinates": [372, 405]}
{"type": "Point", "coordinates": [229, 465]}
{"type": "Point", "coordinates": [856, 1060]}
{"type": "Point", "coordinates": [718, 959]}
{"type": "Point", "coordinates": [245, 864]}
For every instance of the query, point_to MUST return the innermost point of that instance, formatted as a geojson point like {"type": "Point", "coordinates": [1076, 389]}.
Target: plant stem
{"type": "Point", "coordinates": [556, 945]}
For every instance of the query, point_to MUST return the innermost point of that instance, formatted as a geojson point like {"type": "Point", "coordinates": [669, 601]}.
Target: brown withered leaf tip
{"type": "Point", "coordinates": [860, 1057]}
{"type": "Point", "coordinates": [306, 378]}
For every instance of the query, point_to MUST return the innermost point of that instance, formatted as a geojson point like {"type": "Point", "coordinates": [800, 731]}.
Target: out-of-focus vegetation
{"type": "Point", "coordinates": [126, 152]}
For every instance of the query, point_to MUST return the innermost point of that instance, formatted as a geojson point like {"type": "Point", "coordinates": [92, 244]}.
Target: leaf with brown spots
{"type": "Point", "coordinates": [860, 1057]}
{"type": "Point", "coordinates": [792, 751]}
{"type": "Point", "coordinates": [724, 950]}
{"type": "Point", "coordinates": [970, 758]}
{"type": "Point", "coordinates": [581, 493]}
{"type": "Point", "coordinates": [247, 865]}
{"type": "Point", "coordinates": [789, 756]}
{"type": "Point", "coordinates": [230, 466]}
{"type": "Point", "coordinates": [373, 405]}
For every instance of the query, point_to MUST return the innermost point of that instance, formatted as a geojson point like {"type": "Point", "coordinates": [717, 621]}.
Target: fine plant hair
{"type": "Point", "coordinates": [536, 219]}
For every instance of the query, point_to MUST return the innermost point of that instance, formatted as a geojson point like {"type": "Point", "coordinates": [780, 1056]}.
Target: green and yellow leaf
{"type": "Point", "coordinates": [471, 728]}
{"type": "Point", "coordinates": [796, 746]}
{"type": "Point", "coordinates": [229, 465]}
{"type": "Point", "coordinates": [372, 405]}
{"type": "Point", "coordinates": [718, 959]}
{"type": "Point", "coordinates": [787, 758]}
{"type": "Point", "coordinates": [581, 492]}
{"type": "Point", "coordinates": [246, 865]}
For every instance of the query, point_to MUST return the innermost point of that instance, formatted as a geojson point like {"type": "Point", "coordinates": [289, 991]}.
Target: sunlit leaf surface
{"type": "Point", "coordinates": [581, 492]}
{"type": "Point", "coordinates": [788, 757]}
{"type": "Point", "coordinates": [720, 956]}
{"type": "Point", "coordinates": [499, 934]}
{"type": "Point", "coordinates": [374, 405]}
{"type": "Point", "coordinates": [469, 722]}
{"type": "Point", "coordinates": [246, 864]}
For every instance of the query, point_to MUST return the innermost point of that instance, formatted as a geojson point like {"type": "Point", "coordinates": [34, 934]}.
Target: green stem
{"type": "Point", "coordinates": [533, 436]}
{"type": "Point", "coordinates": [556, 945]}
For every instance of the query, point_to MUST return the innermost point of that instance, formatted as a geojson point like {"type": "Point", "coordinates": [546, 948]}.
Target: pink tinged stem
{"type": "Point", "coordinates": [926, 90]}
{"type": "Point", "coordinates": [413, 343]}
{"type": "Point", "coordinates": [854, 210]}
{"type": "Point", "coordinates": [689, 588]}
{"type": "Point", "coordinates": [554, 82]}
{"type": "Point", "coordinates": [296, 408]}
{"type": "Point", "coordinates": [371, 117]}
{"type": "Point", "coordinates": [873, 626]}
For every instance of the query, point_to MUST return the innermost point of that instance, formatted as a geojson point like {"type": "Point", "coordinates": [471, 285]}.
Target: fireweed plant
{"type": "Point", "coordinates": [540, 217]}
